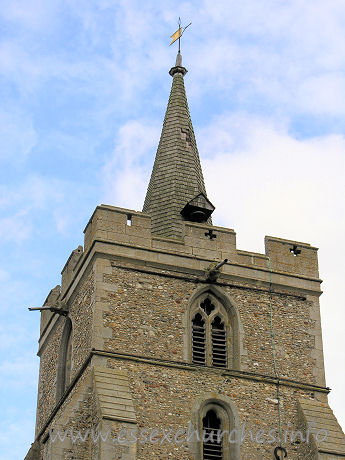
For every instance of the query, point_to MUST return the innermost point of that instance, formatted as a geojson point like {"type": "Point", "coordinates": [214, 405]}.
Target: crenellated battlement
{"type": "Point", "coordinates": [126, 227]}
{"type": "Point", "coordinates": [120, 225]}
{"type": "Point", "coordinates": [292, 256]}
{"type": "Point", "coordinates": [68, 271]}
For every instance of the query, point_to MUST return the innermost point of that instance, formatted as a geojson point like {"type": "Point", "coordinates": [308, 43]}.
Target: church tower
{"type": "Point", "coordinates": [164, 341]}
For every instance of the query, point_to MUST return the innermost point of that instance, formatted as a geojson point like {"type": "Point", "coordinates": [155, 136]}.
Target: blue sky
{"type": "Point", "coordinates": [83, 90]}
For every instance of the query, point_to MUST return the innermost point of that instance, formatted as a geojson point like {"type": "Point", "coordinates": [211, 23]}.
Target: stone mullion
{"type": "Point", "coordinates": [208, 341]}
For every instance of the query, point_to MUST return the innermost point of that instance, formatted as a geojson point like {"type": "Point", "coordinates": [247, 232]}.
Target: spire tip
{"type": "Point", "coordinates": [178, 68]}
{"type": "Point", "coordinates": [178, 60]}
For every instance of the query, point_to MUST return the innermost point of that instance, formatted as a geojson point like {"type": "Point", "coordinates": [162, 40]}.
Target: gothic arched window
{"type": "Point", "coordinates": [211, 333]}
{"type": "Point", "coordinates": [215, 418]}
{"type": "Point", "coordinates": [65, 360]}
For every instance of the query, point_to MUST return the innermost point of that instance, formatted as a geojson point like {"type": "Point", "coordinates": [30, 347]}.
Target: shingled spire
{"type": "Point", "coordinates": [176, 191]}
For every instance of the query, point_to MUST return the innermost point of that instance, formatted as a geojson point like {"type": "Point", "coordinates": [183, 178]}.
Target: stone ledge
{"type": "Point", "coordinates": [117, 402]}
{"type": "Point", "coordinates": [315, 412]}
{"type": "Point", "coordinates": [225, 372]}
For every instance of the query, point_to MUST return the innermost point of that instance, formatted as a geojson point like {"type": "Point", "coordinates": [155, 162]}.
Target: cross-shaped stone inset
{"type": "Point", "coordinates": [295, 251]}
{"type": "Point", "coordinates": [210, 234]}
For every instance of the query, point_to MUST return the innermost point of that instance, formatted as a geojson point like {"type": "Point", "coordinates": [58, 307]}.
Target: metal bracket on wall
{"type": "Point", "coordinates": [59, 307]}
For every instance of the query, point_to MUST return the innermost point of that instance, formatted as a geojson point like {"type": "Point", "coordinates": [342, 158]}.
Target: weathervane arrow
{"type": "Point", "coordinates": [178, 34]}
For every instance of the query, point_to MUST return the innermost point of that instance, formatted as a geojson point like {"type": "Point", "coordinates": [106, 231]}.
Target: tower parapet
{"type": "Point", "coordinates": [201, 244]}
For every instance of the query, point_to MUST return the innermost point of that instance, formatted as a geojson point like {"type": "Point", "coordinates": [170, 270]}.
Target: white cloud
{"type": "Point", "coordinates": [126, 171]}
{"type": "Point", "coordinates": [263, 181]}
{"type": "Point", "coordinates": [288, 53]}
{"type": "Point", "coordinates": [284, 53]}
{"type": "Point", "coordinates": [324, 93]}
{"type": "Point", "coordinates": [278, 181]}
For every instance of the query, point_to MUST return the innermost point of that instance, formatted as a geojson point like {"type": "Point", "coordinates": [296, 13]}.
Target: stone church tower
{"type": "Point", "coordinates": [150, 344]}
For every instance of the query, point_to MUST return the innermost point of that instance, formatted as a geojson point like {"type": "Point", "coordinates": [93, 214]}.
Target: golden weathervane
{"type": "Point", "coordinates": [178, 34]}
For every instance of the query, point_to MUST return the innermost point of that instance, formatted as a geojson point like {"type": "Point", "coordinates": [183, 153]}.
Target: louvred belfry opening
{"type": "Point", "coordinates": [219, 358]}
{"type": "Point", "coordinates": [198, 340]}
{"type": "Point", "coordinates": [212, 445]}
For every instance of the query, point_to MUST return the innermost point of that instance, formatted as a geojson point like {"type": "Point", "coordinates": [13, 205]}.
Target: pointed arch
{"type": "Point", "coordinates": [212, 444]}
{"type": "Point", "coordinates": [225, 331]}
{"type": "Point", "coordinates": [64, 360]}
{"type": "Point", "coordinates": [216, 412]}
